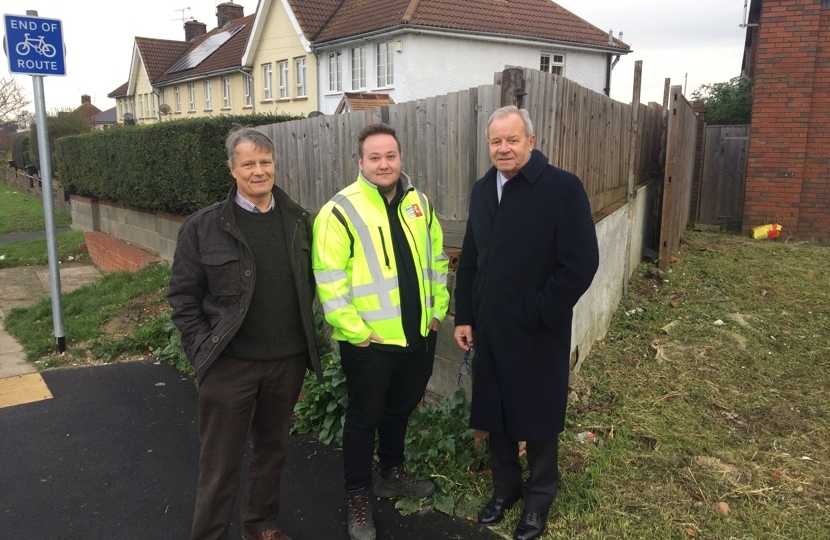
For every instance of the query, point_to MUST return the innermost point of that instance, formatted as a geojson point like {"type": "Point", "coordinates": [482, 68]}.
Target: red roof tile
{"type": "Point", "coordinates": [538, 19]}
{"type": "Point", "coordinates": [226, 57]}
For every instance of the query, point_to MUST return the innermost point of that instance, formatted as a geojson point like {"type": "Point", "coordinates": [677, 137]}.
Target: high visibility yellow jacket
{"type": "Point", "coordinates": [354, 263]}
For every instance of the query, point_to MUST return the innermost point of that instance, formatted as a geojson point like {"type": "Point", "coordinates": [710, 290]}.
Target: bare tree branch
{"type": "Point", "coordinates": [12, 101]}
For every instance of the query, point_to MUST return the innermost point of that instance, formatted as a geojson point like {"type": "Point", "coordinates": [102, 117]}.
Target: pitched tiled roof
{"type": "Point", "coordinates": [104, 117]}
{"type": "Point", "coordinates": [537, 19]}
{"type": "Point", "coordinates": [159, 54]}
{"type": "Point", "coordinates": [358, 101]}
{"type": "Point", "coordinates": [227, 57]}
{"type": "Point", "coordinates": [121, 91]}
{"type": "Point", "coordinates": [87, 110]}
{"type": "Point", "coordinates": [314, 14]}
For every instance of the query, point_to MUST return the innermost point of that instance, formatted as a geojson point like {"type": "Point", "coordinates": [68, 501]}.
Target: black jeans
{"type": "Point", "coordinates": [384, 388]}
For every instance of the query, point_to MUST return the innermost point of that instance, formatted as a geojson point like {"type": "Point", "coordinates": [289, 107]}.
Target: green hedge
{"type": "Point", "coordinates": [176, 167]}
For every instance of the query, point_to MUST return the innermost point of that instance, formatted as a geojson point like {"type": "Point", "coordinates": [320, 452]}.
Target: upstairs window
{"type": "Point", "coordinates": [178, 97]}
{"type": "Point", "coordinates": [208, 96]}
{"type": "Point", "coordinates": [386, 64]}
{"type": "Point", "coordinates": [299, 65]}
{"type": "Point", "coordinates": [226, 92]}
{"type": "Point", "coordinates": [267, 83]}
{"type": "Point", "coordinates": [282, 68]}
{"type": "Point", "coordinates": [191, 88]}
{"type": "Point", "coordinates": [552, 63]}
{"type": "Point", "coordinates": [249, 90]}
{"type": "Point", "coordinates": [358, 68]}
{"type": "Point", "coordinates": [335, 73]}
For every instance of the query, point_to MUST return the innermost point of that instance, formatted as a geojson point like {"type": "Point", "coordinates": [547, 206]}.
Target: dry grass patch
{"type": "Point", "coordinates": [710, 394]}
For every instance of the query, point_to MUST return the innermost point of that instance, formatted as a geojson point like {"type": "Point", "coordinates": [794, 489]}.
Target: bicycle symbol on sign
{"type": "Point", "coordinates": [38, 45]}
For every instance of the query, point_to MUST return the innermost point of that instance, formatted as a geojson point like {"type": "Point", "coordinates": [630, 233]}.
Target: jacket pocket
{"type": "Point", "coordinates": [222, 268]}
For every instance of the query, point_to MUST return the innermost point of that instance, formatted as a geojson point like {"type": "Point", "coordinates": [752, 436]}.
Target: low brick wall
{"type": "Point", "coordinates": [114, 255]}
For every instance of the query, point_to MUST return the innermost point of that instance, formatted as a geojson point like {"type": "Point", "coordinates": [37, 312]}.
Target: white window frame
{"type": "Point", "coordinates": [282, 69]}
{"type": "Point", "coordinates": [141, 105]}
{"type": "Point", "coordinates": [267, 82]}
{"type": "Point", "coordinates": [191, 88]}
{"type": "Point", "coordinates": [358, 55]}
{"type": "Point", "coordinates": [299, 65]}
{"type": "Point", "coordinates": [386, 64]}
{"type": "Point", "coordinates": [552, 63]}
{"type": "Point", "coordinates": [249, 90]}
{"type": "Point", "coordinates": [178, 97]}
{"type": "Point", "coordinates": [208, 96]}
{"type": "Point", "coordinates": [226, 92]}
{"type": "Point", "coordinates": [335, 72]}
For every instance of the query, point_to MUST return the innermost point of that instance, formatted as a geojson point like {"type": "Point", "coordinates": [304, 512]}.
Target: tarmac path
{"type": "Point", "coordinates": [111, 451]}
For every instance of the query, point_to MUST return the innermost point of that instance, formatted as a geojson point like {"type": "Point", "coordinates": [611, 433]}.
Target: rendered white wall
{"type": "Point", "coordinates": [432, 65]}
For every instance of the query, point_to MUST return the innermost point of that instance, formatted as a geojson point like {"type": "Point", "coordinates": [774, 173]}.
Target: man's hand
{"type": "Point", "coordinates": [372, 337]}
{"type": "Point", "coordinates": [434, 325]}
{"type": "Point", "coordinates": [464, 336]}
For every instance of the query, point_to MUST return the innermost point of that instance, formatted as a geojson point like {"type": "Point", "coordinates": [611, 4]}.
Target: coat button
{"type": "Point", "coordinates": [241, 310]}
{"type": "Point", "coordinates": [215, 339]}
{"type": "Point", "coordinates": [247, 273]}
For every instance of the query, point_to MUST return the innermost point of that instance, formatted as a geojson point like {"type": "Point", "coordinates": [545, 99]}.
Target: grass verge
{"type": "Point", "coordinates": [707, 397]}
{"type": "Point", "coordinates": [20, 212]}
{"type": "Point", "coordinates": [122, 314]}
{"type": "Point", "coordinates": [33, 252]}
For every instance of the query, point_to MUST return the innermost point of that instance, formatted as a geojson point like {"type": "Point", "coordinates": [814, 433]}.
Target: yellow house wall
{"type": "Point", "coordinates": [279, 42]}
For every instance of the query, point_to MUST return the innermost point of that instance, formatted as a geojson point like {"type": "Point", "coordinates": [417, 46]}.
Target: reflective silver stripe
{"type": "Point", "coordinates": [382, 314]}
{"type": "Point", "coordinates": [428, 271]}
{"type": "Point", "coordinates": [371, 255]}
{"type": "Point", "coordinates": [385, 286]}
{"type": "Point", "coordinates": [336, 303]}
{"type": "Point", "coordinates": [329, 276]}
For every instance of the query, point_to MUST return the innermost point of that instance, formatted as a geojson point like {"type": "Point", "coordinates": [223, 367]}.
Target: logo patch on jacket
{"type": "Point", "coordinates": [414, 211]}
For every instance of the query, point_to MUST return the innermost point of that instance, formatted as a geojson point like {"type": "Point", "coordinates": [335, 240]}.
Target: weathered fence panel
{"type": "Point", "coordinates": [444, 144]}
{"type": "Point", "coordinates": [680, 163]}
{"type": "Point", "coordinates": [723, 175]}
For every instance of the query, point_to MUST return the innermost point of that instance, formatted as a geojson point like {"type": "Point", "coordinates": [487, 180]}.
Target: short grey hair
{"type": "Point", "coordinates": [251, 135]}
{"type": "Point", "coordinates": [511, 109]}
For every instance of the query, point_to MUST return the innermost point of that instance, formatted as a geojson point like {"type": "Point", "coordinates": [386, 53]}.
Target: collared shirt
{"type": "Point", "coordinates": [251, 207]}
{"type": "Point", "coordinates": [500, 181]}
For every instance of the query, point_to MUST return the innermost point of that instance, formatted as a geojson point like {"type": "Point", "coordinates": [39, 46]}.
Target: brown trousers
{"type": "Point", "coordinates": [234, 396]}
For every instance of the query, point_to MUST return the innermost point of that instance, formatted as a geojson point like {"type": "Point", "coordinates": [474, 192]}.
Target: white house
{"type": "Point", "coordinates": [421, 48]}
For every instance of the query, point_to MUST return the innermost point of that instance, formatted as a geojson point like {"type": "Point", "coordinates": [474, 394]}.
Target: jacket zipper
{"type": "Point", "coordinates": [383, 246]}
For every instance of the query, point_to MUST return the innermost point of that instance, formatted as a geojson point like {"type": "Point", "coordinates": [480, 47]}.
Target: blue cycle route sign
{"type": "Point", "coordinates": [34, 45]}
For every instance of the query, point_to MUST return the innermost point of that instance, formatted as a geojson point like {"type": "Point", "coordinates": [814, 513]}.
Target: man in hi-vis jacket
{"type": "Point", "coordinates": [381, 273]}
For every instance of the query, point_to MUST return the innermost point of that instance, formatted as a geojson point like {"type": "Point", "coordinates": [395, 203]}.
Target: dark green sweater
{"type": "Point", "coordinates": [272, 328]}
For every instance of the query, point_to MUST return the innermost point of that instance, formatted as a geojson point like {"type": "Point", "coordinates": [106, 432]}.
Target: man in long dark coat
{"type": "Point", "coordinates": [529, 253]}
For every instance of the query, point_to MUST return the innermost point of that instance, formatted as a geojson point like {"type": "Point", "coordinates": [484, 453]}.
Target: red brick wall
{"type": "Point", "coordinates": [115, 255]}
{"type": "Point", "coordinates": [789, 151]}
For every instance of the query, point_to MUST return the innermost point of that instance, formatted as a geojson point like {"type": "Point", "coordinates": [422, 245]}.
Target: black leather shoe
{"type": "Point", "coordinates": [531, 526]}
{"type": "Point", "coordinates": [494, 511]}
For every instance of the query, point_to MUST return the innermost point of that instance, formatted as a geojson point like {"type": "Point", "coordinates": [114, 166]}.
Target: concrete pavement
{"type": "Point", "coordinates": [24, 286]}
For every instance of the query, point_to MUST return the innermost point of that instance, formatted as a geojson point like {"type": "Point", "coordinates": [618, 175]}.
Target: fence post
{"type": "Point", "coordinates": [632, 157]}
{"type": "Point", "coordinates": [513, 87]}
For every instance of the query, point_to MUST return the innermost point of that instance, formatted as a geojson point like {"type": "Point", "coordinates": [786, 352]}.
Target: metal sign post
{"type": "Point", "coordinates": [35, 47]}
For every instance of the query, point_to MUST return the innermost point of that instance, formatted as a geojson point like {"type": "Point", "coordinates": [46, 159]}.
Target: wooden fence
{"type": "Point", "coordinates": [443, 142]}
{"type": "Point", "coordinates": [723, 176]}
{"type": "Point", "coordinates": [677, 184]}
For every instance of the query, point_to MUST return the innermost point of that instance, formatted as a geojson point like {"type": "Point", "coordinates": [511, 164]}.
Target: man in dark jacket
{"type": "Point", "coordinates": [242, 293]}
{"type": "Point", "coordinates": [530, 251]}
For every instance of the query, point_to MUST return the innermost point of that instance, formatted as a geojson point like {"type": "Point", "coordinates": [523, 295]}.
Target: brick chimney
{"type": "Point", "coordinates": [194, 29]}
{"type": "Point", "coordinates": [228, 12]}
{"type": "Point", "coordinates": [85, 99]}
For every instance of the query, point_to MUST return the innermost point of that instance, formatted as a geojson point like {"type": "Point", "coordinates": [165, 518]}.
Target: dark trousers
{"type": "Point", "coordinates": [236, 395]}
{"type": "Point", "coordinates": [540, 488]}
{"type": "Point", "coordinates": [384, 388]}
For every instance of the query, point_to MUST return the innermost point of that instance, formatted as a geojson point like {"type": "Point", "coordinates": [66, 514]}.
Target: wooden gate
{"type": "Point", "coordinates": [723, 175]}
